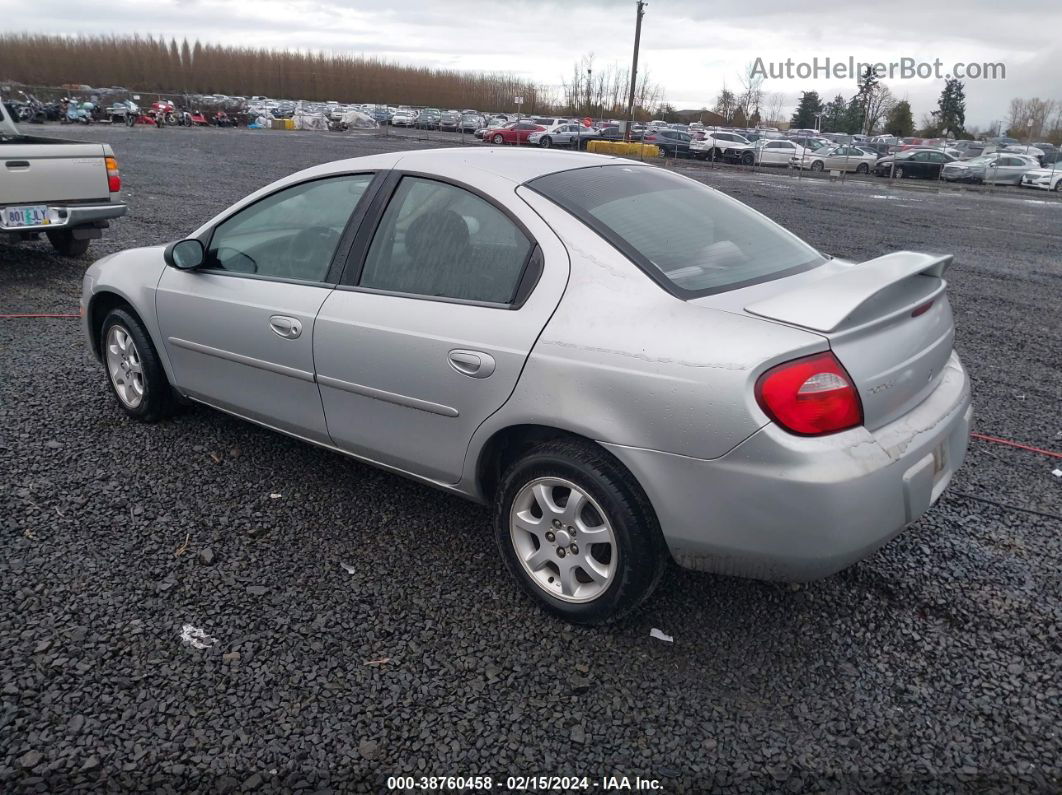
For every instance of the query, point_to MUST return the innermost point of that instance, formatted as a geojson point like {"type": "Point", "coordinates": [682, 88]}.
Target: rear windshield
{"type": "Point", "coordinates": [689, 238]}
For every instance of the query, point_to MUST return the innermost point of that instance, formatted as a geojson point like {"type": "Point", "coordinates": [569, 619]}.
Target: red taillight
{"type": "Point", "coordinates": [921, 310]}
{"type": "Point", "coordinates": [810, 396]}
{"type": "Point", "coordinates": [114, 180]}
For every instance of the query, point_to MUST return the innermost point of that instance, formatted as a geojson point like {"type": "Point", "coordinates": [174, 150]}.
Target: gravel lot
{"type": "Point", "coordinates": [363, 625]}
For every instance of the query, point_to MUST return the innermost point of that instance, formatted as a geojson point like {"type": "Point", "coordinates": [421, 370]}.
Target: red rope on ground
{"type": "Point", "coordinates": [25, 315]}
{"type": "Point", "coordinates": [1020, 446]}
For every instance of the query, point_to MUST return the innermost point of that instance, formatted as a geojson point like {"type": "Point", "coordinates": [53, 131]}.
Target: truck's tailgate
{"type": "Point", "coordinates": [33, 173]}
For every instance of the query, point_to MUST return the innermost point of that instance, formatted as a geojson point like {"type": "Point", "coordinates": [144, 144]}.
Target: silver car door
{"type": "Point", "coordinates": [428, 333]}
{"type": "Point", "coordinates": [239, 330]}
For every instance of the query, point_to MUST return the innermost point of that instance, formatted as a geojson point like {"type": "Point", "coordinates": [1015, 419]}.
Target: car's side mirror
{"type": "Point", "coordinates": [185, 255]}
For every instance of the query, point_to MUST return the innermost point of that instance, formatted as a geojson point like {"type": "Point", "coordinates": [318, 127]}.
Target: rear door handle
{"type": "Point", "coordinates": [287, 327]}
{"type": "Point", "coordinates": [474, 364]}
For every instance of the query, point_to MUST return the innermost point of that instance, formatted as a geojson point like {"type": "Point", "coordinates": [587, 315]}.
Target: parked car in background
{"type": "Point", "coordinates": [494, 124]}
{"type": "Point", "coordinates": [1046, 177]}
{"type": "Point", "coordinates": [516, 132]}
{"type": "Point", "coordinates": [470, 122]}
{"type": "Point", "coordinates": [771, 152]}
{"type": "Point", "coordinates": [964, 149]}
{"type": "Point", "coordinates": [1026, 149]}
{"type": "Point", "coordinates": [428, 119]}
{"type": "Point", "coordinates": [68, 190]}
{"type": "Point", "coordinates": [715, 142]}
{"type": "Point", "coordinates": [1001, 168]}
{"type": "Point", "coordinates": [919, 163]}
{"type": "Point", "coordinates": [568, 134]}
{"type": "Point", "coordinates": [450, 121]}
{"type": "Point", "coordinates": [837, 158]}
{"type": "Point", "coordinates": [404, 118]}
{"type": "Point", "coordinates": [672, 143]}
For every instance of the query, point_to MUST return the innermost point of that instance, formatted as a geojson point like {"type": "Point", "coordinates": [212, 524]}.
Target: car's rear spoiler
{"type": "Point", "coordinates": [824, 304]}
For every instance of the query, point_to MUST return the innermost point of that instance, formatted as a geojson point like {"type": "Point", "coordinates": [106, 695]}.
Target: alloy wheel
{"type": "Point", "coordinates": [563, 539]}
{"type": "Point", "coordinates": [124, 366]}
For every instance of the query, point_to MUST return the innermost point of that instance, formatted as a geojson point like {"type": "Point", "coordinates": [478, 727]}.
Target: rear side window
{"type": "Point", "coordinates": [689, 238]}
{"type": "Point", "coordinates": [437, 239]}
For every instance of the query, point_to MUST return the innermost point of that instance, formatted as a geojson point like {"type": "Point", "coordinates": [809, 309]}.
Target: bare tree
{"type": "Point", "coordinates": [879, 102]}
{"type": "Point", "coordinates": [750, 93]}
{"type": "Point", "coordinates": [773, 105]}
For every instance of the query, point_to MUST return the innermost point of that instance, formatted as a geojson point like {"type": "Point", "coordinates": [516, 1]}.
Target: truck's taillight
{"type": "Point", "coordinates": [810, 396]}
{"type": "Point", "coordinates": [114, 180]}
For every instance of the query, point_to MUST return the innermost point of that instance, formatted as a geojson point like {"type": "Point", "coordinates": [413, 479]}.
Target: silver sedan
{"type": "Point", "coordinates": [625, 364]}
{"type": "Point", "coordinates": [837, 158]}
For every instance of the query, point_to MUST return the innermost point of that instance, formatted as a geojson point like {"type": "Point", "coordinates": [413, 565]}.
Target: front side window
{"type": "Point", "coordinates": [692, 239]}
{"type": "Point", "coordinates": [437, 239]}
{"type": "Point", "coordinates": [291, 234]}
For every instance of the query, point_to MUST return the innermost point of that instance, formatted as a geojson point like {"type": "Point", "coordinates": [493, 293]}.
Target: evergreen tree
{"type": "Point", "coordinates": [854, 115]}
{"type": "Point", "coordinates": [834, 115]}
{"type": "Point", "coordinates": [807, 111]}
{"type": "Point", "coordinates": [900, 122]}
{"type": "Point", "coordinates": [950, 114]}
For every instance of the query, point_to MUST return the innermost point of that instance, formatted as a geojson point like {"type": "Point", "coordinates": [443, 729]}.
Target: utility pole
{"type": "Point", "coordinates": [634, 66]}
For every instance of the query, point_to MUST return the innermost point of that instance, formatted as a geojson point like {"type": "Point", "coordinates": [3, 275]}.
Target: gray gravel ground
{"type": "Point", "coordinates": [364, 625]}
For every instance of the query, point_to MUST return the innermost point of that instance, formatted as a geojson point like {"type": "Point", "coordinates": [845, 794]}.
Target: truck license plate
{"type": "Point", "coordinates": [25, 216]}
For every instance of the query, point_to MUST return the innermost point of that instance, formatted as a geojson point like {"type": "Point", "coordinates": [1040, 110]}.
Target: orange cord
{"type": "Point", "coordinates": [1009, 443]}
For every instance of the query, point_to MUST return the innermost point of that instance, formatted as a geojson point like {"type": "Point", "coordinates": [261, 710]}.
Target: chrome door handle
{"type": "Point", "coordinates": [474, 364]}
{"type": "Point", "coordinates": [287, 327]}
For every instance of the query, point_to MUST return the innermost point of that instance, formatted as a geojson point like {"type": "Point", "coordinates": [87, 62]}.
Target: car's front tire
{"type": "Point", "coordinates": [134, 371]}
{"type": "Point", "coordinates": [545, 142]}
{"type": "Point", "coordinates": [578, 533]}
{"type": "Point", "coordinates": [498, 139]}
{"type": "Point", "coordinates": [862, 168]}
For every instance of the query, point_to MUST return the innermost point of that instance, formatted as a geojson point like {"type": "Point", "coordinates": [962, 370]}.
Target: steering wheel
{"type": "Point", "coordinates": [308, 250]}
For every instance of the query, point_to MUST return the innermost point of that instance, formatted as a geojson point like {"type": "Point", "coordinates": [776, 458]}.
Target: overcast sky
{"type": "Point", "coordinates": [690, 47]}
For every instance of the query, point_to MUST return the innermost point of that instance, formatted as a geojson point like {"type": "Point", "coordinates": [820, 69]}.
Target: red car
{"type": "Point", "coordinates": [516, 132]}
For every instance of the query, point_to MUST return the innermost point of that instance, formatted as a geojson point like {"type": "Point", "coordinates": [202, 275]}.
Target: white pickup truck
{"type": "Point", "coordinates": [67, 190]}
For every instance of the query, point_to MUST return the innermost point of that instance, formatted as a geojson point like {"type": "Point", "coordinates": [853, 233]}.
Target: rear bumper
{"type": "Point", "coordinates": [783, 507]}
{"type": "Point", "coordinates": [68, 216]}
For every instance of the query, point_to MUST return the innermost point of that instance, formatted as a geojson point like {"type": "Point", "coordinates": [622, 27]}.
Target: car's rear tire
{"type": "Point", "coordinates": [544, 540]}
{"type": "Point", "coordinates": [817, 165]}
{"type": "Point", "coordinates": [134, 371]}
{"type": "Point", "coordinates": [65, 243]}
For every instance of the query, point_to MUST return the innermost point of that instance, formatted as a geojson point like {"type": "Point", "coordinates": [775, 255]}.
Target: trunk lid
{"type": "Point", "coordinates": [39, 171]}
{"type": "Point", "coordinates": [887, 320]}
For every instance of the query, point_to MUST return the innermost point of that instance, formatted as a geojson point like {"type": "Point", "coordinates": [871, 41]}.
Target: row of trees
{"type": "Point", "coordinates": [155, 65]}
{"type": "Point", "coordinates": [1036, 119]}
{"type": "Point", "coordinates": [150, 64]}
{"type": "Point", "coordinates": [873, 108]}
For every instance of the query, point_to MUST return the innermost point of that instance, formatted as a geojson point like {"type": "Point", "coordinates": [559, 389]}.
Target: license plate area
{"type": "Point", "coordinates": [21, 217]}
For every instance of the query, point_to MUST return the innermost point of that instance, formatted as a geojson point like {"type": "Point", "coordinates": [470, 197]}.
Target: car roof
{"type": "Point", "coordinates": [513, 164]}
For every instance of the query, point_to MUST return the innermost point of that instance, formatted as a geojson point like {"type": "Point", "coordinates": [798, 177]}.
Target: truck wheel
{"type": "Point", "coordinates": [578, 533]}
{"type": "Point", "coordinates": [65, 243]}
